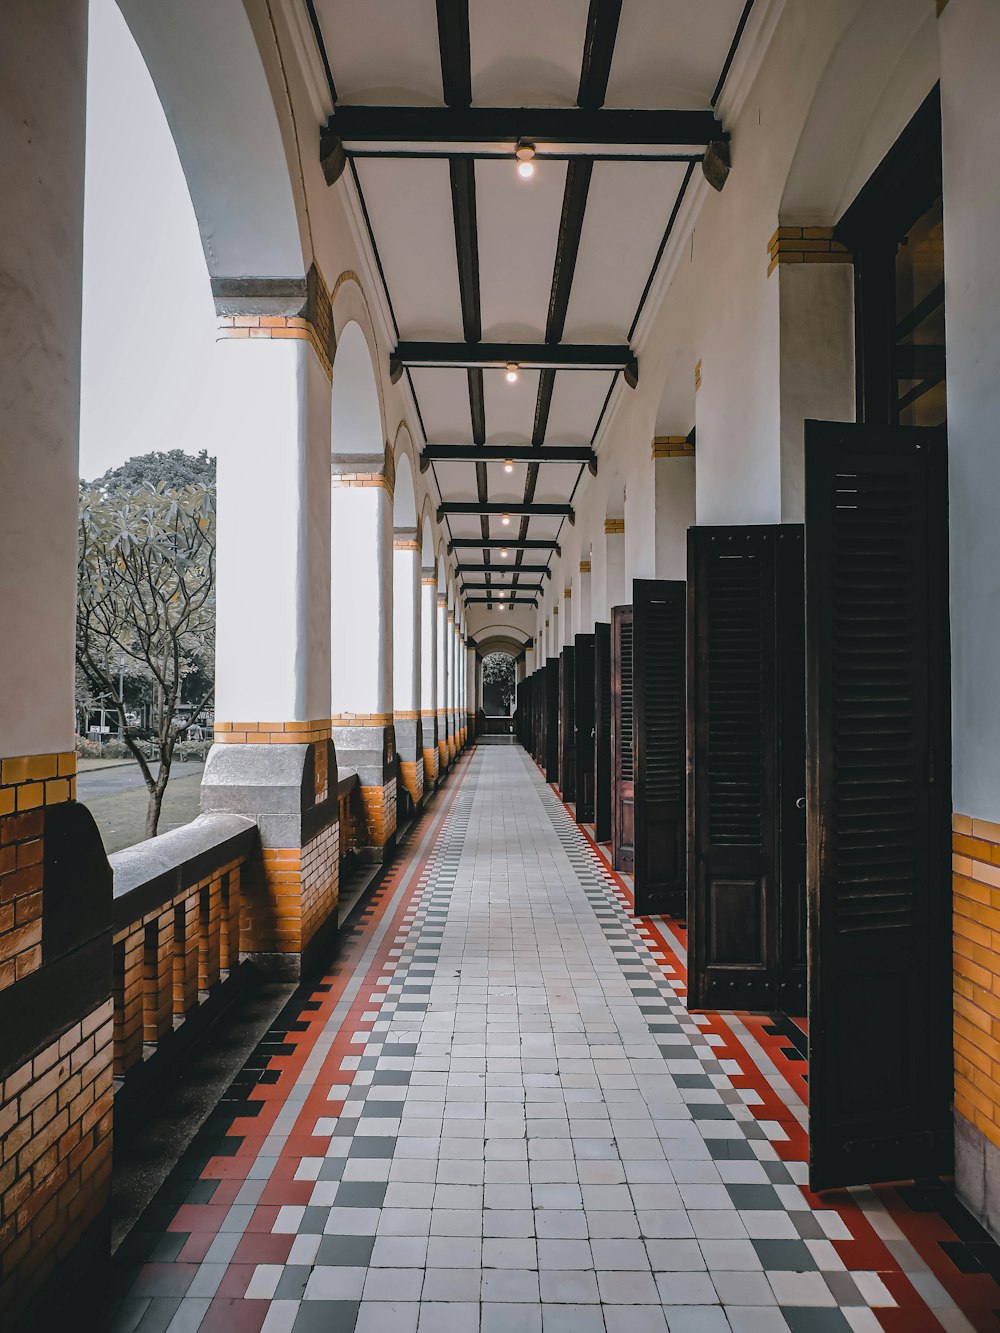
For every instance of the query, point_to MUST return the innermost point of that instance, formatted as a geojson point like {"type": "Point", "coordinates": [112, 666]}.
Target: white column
{"type": "Point", "coordinates": [674, 492]}
{"type": "Point", "coordinates": [273, 594]}
{"type": "Point", "coordinates": [614, 565]}
{"type": "Point", "coordinates": [442, 678]}
{"type": "Point", "coordinates": [43, 57]}
{"type": "Point", "coordinates": [428, 674]}
{"type": "Point", "coordinates": [406, 658]}
{"type": "Point", "coordinates": [582, 618]}
{"type": "Point", "coordinates": [362, 567]}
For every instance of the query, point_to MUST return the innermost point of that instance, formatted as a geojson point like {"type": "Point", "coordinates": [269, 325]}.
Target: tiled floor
{"type": "Point", "coordinates": [495, 1113]}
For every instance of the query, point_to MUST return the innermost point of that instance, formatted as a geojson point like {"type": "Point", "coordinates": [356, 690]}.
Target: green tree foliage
{"type": "Point", "coordinates": [173, 470]}
{"type": "Point", "coordinates": [146, 593]}
{"type": "Point", "coordinates": [498, 670]}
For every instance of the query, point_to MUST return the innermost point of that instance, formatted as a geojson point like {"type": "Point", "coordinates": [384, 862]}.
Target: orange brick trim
{"type": "Point", "coordinates": [272, 733]}
{"type": "Point", "coordinates": [347, 479]}
{"type": "Point", "coordinates": [451, 617]}
{"type": "Point", "coordinates": [672, 446]}
{"type": "Point", "coordinates": [430, 765]}
{"type": "Point", "coordinates": [428, 712]}
{"type": "Point", "coordinates": [33, 780]}
{"type": "Point", "coordinates": [362, 719]}
{"type": "Point", "coordinates": [380, 812]}
{"type": "Point", "coordinates": [429, 582]}
{"type": "Point", "coordinates": [567, 592]}
{"type": "Point", "coordinates": [274, 327]}
{"type": "Point", "coordinates": [805, 245]}
{"type": "Point", "coordinates": [584, 566]}
{"type": "Point", "coordinates": [413, 778]}
{"type": "Point", "coordinates": [697, 375]}
{"type": "Point", "coordinates": [55, 1114]}
{"type": "Point", "coordinates": [406, 714]}
{"type": "Point", "coordinates": [405, 544]}
{"type": "Point", "coordinates": [976, 901]}
{"type": "Point", "coordinates": [555, 610]}
{"type": "Point", "coordinates": [614, 525]}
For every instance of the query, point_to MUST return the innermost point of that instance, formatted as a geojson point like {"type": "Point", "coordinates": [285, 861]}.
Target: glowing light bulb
{"type": "Point", "coordinates": [508, 465]}
{"type": "Point", "coordinates": [525, 170]}
{"type": "Point", "coordinates": [503, 554]}
{"type": "Point", "coordinates": [524, 152]}
{"type": "Point", "coordinates": [512, 369]}
{"type": "Point", "coordinates": [505, 520]}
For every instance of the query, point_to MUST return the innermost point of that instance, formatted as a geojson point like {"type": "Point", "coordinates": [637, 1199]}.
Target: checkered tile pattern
{"type": "Point", "coordinates": [501, 1118]}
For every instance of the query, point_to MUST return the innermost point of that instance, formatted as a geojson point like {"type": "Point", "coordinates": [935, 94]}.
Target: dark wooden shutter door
{"type": "Point", "coordinates": [583, 696]}
{"type": "Point", "coordinates": [747, 761]}
{"type": "Point", "coordinates": [551, 738]}
{"type": "Point", "coordinates": [658, 623]}
{"type": "Point", "coordinates": [622, 741]}
{"type": "Point", "coordinates": [603, 777]}
{"type": "Point", "coordinates": [567, 725]}
{"type": "Point", "coordinates": [879, 801]}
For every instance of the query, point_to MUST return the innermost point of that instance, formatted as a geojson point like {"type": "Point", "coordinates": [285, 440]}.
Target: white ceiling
{"type": "Point", "coordinates": [667, 53]}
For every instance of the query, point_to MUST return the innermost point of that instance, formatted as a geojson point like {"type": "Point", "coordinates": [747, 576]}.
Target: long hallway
{"type": "Point", "coordinates": [496, 1113]}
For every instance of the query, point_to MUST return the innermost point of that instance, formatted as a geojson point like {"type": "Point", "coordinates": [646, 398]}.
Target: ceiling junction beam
{"type": "Point", "coordinates": [441, 128]}
{"type": "Point", "coordinates": [501, 569]}
{"type": "Point", "coordinates": [501, 588]}
{"type": "Point", "coordinates": [527, 356]}
{"type": "Point", "coordinates": [511, 601]}
{"type": "Point", "coordinates": [499, 544]}
{"type": "Point", "coordinates": [499, 507]}
{"type": "Point", "coordinates": [503, 453]}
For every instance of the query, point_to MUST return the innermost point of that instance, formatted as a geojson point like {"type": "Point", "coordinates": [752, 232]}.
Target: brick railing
{"type": "Point", "coordinates": [176, 926]}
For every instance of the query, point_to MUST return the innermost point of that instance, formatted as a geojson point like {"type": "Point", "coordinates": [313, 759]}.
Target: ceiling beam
{"type": "Point", "coordinates": [502, 569]}
{"type": "Point", "coordinates": [498, 544]}
{"type": "Point", "coordinates": [442, 127]}
{"type": "Point", "coordinates": [598, 49]}
{"type": "Point", "coordinates": [502, 453]}
{"type": "Point", "coordinates": [528, 356]}
{"type": "Point", "coordinates": [511, 601]}
{"type": "Point", "coordinates": [501, 588]}
{"type": "Point", "coordinates": [506, 507]}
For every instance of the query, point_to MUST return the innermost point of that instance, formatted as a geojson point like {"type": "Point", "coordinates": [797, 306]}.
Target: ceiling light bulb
{"type": "Point", "coordinates": [526, 170]}
{"type": "Point", "coordinates": [524, 152]}
{"type": "Point", "coordinates": [505, 520]}
{"type": "Point", "coordinates": [508, 465]}
{"type": "Point", "coordinates": [503, 554]}
{"type": "Point", "coordinates": [512, 372]}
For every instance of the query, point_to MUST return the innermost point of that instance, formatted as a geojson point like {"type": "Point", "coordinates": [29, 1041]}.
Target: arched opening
{"type": "Point", "coordinates": [499, 684]}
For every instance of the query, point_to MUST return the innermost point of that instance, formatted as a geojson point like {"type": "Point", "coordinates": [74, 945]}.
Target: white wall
{"type": "Point", "coordinates": [970, 103]}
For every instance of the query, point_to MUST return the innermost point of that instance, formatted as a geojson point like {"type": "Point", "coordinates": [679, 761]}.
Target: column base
{"type": "Point", "coordinates": [291, 890]}
{"type": "Point", "coordinates": [409, 747]}
{"type": "Point", "coordinates": [370, 751]}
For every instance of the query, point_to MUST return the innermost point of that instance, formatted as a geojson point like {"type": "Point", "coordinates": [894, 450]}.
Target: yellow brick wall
{"type": "Point", "coordinates": [976, 897]}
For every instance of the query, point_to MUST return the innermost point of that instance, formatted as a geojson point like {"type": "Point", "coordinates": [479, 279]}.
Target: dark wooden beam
{"type": "Point", "coordinates": [500, 588]}
{"type": "Point", "coordinates": [604, 127]}
{"type": "Point", "coordinates": [501, 569]}
{"type": "Point", "coordinates": [516, 453]}
{"type": "Point", "coordinates": [506, 507]}
{"type": "Point", "coordinates": [463, 203]}
{"type": "Point", "coordinates": [453, 40]}
{"type": "Point", "coordinates": [528, 356]}
{"type": "Point", "coordinates": [498, 544]}
{"type": "Point", "coordinates": [598, 49]}
{"type": "Point", "coordinates": [511, 601]}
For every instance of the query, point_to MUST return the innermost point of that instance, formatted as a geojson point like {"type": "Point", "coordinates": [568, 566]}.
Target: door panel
{"type": "Point", "coordinates": [878, 803]}
{"type": "Point", "coordinates": [658, 623]}
{"type": "Point", "coordinates": [567, 725]}
{"type": "Point", "coordinates": [622, 741]}
{"type": "Point", "coordinates": [583, 699]}
{"type": "Point", "coordinates": [603, 776]}
{"type": "Point", "coordinates": [550, 740]}
{"type": "Point", "coordinates": [747, 760]}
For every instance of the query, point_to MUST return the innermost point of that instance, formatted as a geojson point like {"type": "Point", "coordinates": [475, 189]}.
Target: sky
{"type": "Point", "coordinates": [148, 318]}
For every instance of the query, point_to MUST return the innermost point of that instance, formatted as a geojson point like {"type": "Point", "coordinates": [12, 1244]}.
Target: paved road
{"type": "Point", "coordinates": [117, 798]}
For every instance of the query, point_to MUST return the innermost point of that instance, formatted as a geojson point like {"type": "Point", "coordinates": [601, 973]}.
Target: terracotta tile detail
{"type": "Point", "coordinates": [805, 245]}
{"type": "Point", "coordinates": [672, 446]}
{"type": "Point", "coordinates": [413, 778]}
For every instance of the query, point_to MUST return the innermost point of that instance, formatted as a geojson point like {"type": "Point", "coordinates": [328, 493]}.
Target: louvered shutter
{"type": "Point", "coordinates": [658, 624]}
{"type": "Point", "coordinates": [551, 737]}
{"type": "Point", "coordinates": [567, 725]}
{"type": "Point", "coordinates": [746, 752]}
{"type": "Point", "coordinates": [603, 776]}
{"type": "Point", "coordinates": [878, 803]}
{"type": "Point", "coordinates": [583, 696]}
{"type": "Point", "coordinates": [622, 741]}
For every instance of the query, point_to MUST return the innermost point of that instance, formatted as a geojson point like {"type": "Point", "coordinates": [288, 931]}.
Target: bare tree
{"type": "Point", "coordinates": [146, 594]}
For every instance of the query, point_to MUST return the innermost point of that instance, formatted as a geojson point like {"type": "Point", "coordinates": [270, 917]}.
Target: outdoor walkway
{"type": "Point", "coordinates": [495, 1113]}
